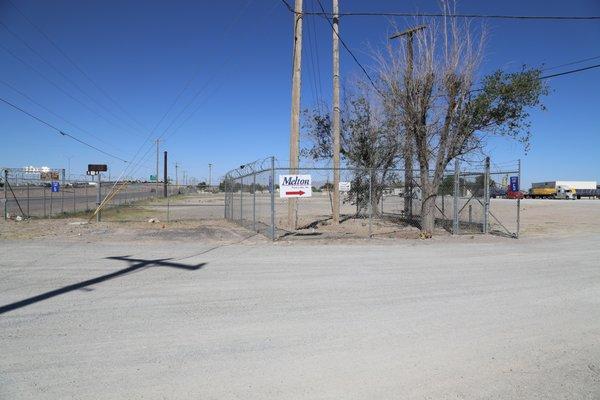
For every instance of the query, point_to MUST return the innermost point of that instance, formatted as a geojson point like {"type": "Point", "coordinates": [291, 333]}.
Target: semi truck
{"type": "Point", "coordinates": [560, 189]}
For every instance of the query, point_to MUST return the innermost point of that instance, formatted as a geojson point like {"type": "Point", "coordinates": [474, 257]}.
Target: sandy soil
{"type": "Point", "coordinates": [200, 216]}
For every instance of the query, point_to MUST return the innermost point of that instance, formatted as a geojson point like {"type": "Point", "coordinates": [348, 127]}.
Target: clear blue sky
{"type": "Point", "coordinates": [143, 53]}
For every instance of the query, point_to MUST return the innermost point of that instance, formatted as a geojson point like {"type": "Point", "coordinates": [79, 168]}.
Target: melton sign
{"type": "Point", "coordinates": [295, 186]}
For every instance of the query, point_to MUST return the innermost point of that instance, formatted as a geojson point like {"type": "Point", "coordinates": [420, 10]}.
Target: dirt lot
{"type": "Point", "coordinates": [196, 213]}
{"type": "Point", "coordinates": [202, 308]}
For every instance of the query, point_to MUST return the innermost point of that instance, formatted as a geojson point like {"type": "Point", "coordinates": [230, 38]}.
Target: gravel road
{"type": "Point", "coordinates": [407, 320]}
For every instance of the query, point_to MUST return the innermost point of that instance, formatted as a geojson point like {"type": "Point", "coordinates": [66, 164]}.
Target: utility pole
{"type": "Point", "coordinates": [295, 118]}
{"type": "Point", "coordinates": [209, 174]}
{"type": "Point", "coordinates": [409, 134]}
{"type": "Point", "coordinates": [336, 115]}
{"type": "Point", "coordinates": [157, 181]}
{"type": "Point", "coordinates": [165, 179]}
{"type": "Point", "coordinates": [176, 178]}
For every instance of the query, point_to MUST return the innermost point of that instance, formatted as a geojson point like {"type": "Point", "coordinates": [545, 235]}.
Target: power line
{"type": "Point", "coordinates": [56, 85]}
{"type": "Point", "coordinates": [194, 75]}
{"type": "Point", "coordinates": [73, 63]}
{"type": "Point", "coordinates": [61, 132]}
{"type": "Point", "coordinates": [571, 63]}
{"type": "Point", "coordinates": [442, 15]}
{"type": "Point", "coordinates": [310, 64]}
{"type": "Point", "coordinates": [552, 76]}
{"type": "Point", "coordinates": [570, 72]}
{"type": "Point", "coordinates": [347, 48]}
{"type": "Point", "coordinates": [58, 71]}
{"type": "Point", "coordinates": [52, 112]}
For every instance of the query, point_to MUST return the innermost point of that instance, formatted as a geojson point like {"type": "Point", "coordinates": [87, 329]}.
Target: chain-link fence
{"type": "Point", "coordinates": [49, 194]}
{"type": "Point", "coordinates": [372, 201]}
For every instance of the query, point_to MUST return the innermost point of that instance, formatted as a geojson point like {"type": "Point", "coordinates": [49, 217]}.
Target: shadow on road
{"type": "Point", "coordinates": [137, 264]}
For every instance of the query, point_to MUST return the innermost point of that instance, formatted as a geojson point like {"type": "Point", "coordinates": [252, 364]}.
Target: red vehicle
{"type": "Point", "coordinates": [515, 195]}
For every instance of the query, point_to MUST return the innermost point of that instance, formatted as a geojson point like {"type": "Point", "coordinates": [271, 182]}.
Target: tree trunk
{"type": "Point", "coordinates": [408, 176]}
{"type": "Point", "coordinates": [428, 197]}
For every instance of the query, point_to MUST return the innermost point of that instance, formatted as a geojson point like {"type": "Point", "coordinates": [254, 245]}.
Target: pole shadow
{"type": "Point", "coordinates": [137, 264]}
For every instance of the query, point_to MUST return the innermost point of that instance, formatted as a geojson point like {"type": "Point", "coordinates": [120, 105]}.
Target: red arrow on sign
{"type": "Point", "coordinates": [299, 193]}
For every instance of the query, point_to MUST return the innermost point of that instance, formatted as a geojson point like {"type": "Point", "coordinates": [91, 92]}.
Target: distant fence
{"type": "Point", "coordinates": [27, 195]}
{"type": "Point", "coordinates": [463, 204]}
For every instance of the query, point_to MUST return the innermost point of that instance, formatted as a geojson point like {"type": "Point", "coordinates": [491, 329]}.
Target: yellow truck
{"type": "Point", "coordinates": [558, 189]}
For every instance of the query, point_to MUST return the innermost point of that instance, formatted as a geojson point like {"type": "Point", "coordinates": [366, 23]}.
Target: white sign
{"type": "Point", "coordinates": [344, 186]}
{"type": "Point", "coordinates": [295, 186]}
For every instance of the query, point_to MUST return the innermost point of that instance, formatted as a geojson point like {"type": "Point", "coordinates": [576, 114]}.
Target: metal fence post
{"type": "Point", "coordinates": [225, 199]}
{"type": "Point", "coordinates": [5, 194]}
{"type": "Point", "coordinates": [519, 201]}
{"type": "Point", "coordinates": [51, 202]}
{"type": "Point", "coordinates": [28, 200]}
{"type": "Point", "coordinates": [87, 201]}
{"type": "Point", "coordinates": [242, 201]}
{"type": "Point", "coordinates": [44, 196]}
{"type": "Point", "coordinates": [486, 194]}
{"type": "Point", "coordinates": [62, 192]}
{"type": "Point", "coordinates": [168, 207]}
{"type": "Point", "coordinates": [371, 203]}
{"type": "Point", "coordinates": [74, 198]}
{"type": "Point", "coordinates": [456, 194]}
{"type": "Point", "coordinates": [98, 198]}
{"type": "Point", "coordinates": [273, 198]}
{"type": "Point", "coordinates": [254, 201]}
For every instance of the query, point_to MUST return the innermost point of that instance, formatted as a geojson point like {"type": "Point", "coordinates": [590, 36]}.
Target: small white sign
{"type": "Point", "coordinates": [344, 186]}
{"type": "Point", "coordinates": [295, 186]}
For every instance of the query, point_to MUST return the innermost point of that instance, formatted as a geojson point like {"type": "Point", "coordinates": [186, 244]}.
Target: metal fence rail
{"type": "Point", "coordinates": [462, 205]}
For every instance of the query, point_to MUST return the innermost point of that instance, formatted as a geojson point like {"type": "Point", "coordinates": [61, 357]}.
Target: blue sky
{"type": "Point", "coordinates": [143, 53]}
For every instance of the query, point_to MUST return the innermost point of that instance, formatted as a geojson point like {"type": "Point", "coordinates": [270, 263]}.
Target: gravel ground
{"type": "Point", "coordinates": [447, 319]}
{"type": "Point", "coordinates": [202, 308]}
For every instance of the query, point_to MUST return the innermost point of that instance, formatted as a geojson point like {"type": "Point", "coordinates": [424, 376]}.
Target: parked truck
{"type": "Point", "coordinates": [560, 189]}
{"type": "Point", "coordinates": [589, 193]}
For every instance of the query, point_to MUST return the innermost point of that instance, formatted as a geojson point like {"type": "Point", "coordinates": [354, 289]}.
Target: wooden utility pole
{"type": "Point", "coordinates": [409, 133]}
{"type": "Point", "coordinates": [295, 118]}
{"type": "Point", "coordinates": [336, 115]}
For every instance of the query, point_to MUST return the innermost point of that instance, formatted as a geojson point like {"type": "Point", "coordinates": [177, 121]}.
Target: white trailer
{"type": "Point", "coordinates": [565, 184]}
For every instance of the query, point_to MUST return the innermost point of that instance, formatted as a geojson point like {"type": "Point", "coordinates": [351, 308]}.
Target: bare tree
{"type": "Point", "coordinates": [369, 141]}
{"type": "Point", "coordinates": [447, 113]}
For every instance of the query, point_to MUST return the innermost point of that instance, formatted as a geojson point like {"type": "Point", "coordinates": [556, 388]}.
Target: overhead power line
{"type": "Point", "coordinates": [364, 70]}
{"type": "Point", "coordinates": [571, 63]}
{"type": "Point", "coordinates": [52, 112]}
{"type": "Point", "coordinates": [57, 86]}
{"type": "Point", "coordinates": [323, 13]}
{"type": "Point", "coordinates": [570, 72]}
{"type": "Point", "coordinates": [61, 132]}
{"type": "Point", "coordinates": [74, 64]}
{"type": "Point", "coordinates": [62, 74]}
